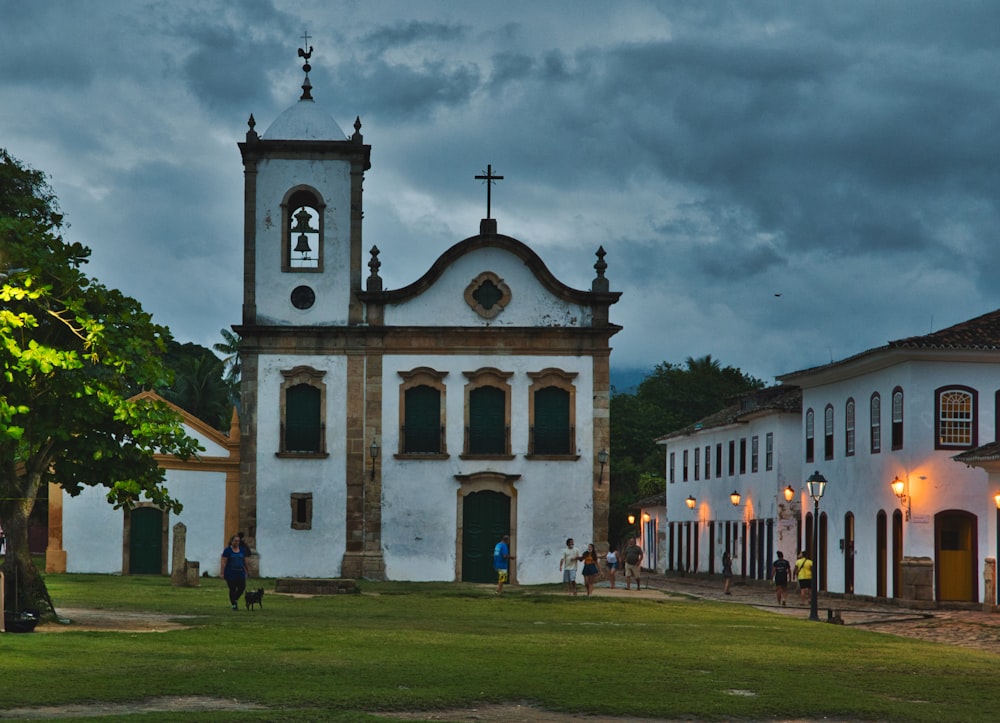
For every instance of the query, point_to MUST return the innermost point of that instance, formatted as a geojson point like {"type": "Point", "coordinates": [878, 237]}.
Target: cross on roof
{"type": "Point", "coordinates": [489, 178]}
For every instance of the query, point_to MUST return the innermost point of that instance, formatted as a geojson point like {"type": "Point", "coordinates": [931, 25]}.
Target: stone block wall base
{"type": "Point", "coordinates": [55, 560]}
{"type": "Point", "coordinates": [316, 586]}
{"type": "Point", "coordinates": [367, 565]}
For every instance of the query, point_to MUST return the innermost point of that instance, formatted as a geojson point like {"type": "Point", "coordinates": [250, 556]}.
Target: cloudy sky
{"type": "Point", "coordinates": [776, 184]}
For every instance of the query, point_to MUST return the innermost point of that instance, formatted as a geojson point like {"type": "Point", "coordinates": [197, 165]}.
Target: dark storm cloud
{"type": "Point", "coordinates": [841, 155]}
{"type": "Point", "coordinates": [402, 34]}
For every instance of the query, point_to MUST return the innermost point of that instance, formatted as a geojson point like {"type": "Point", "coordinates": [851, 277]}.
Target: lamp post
{"type": "Point", "coordinates": [816, 485]}
{"type": "Point", "coordinates": [602, 458]}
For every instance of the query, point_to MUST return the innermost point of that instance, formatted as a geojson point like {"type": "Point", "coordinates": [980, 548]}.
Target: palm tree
{"type": "Point", "coordinates": [230, 348]}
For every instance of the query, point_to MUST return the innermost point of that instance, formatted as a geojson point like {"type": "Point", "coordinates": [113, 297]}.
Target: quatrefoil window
{"type": "Point", "coordinates": [487, 295]}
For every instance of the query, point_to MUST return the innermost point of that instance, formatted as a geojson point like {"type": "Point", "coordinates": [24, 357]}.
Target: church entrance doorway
{"type": "Point", "coordinates": [485, 519]}
{"type": "Point", "coordinates": [955, 552]}
{"type": "Point", "coordinates": [145, 545]}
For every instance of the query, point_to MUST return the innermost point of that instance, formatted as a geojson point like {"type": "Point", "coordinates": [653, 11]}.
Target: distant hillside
{"type": "Point", "coordinates": [624, 380]}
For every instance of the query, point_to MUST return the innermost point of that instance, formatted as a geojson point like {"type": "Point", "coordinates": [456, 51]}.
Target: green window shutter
{"type": "Point", "coordinates": [423, 420]}
{"type": "Point", "coordinates": [552, 421]}
{"type": "Point", "coordinates": [302, 419]}
{"type": "Point", "coordinates": [487, 425]}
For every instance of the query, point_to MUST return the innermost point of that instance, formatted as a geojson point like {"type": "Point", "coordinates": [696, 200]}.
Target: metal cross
{"type": "Point", "coordinates": [305, 37]}
{"type": "Point", "coordinates": [489, 178]}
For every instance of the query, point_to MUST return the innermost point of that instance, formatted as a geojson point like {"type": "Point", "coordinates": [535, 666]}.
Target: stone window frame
{"type": "Point", "coordinates": [422, 377]}
{"type": "Point", "coordinates": [476, 283]}
{"type": "Point", "coordinates": [302, 374]}
{"type": "Point", "coordinates": [552, 377]}
{"type": "Point", "coordinates": [295, 198]}
{"type": "Point", "coordinates": [487, 377]}
{"type": "Point", "coordinates": [301, 501]}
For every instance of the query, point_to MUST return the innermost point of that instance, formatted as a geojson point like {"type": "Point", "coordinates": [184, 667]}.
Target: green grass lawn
{"type": "Point", "coordinates": [416, 646]}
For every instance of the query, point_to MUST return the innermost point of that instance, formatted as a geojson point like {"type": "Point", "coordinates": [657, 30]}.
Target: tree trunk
{"type": "Point", "coordinates": [24, 587]}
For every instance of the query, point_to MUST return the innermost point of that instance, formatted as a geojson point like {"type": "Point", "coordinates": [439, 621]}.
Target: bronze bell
{"type": "Point", "coordinates": [302, 245]}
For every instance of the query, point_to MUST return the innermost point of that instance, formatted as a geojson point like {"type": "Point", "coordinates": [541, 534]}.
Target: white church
{"type": "Point", "coordinates": [393, 434]}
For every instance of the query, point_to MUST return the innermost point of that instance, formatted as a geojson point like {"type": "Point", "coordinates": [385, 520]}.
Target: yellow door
{"type": "Point", "coordinates": [955, 557]}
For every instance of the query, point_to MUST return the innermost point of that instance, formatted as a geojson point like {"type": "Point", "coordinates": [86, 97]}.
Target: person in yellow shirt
{"type": "Point", "coordinates": [804, 574]}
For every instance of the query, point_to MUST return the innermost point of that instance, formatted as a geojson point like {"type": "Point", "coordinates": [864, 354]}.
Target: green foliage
{"type": "Point", "coordinates": [73, 353]}
{"type": "Point", "coordinates": [198, 386]}
{"type": "Point", "coordinates": [670, 398]}
{"type": "Point", "coordinates": [399, 647]}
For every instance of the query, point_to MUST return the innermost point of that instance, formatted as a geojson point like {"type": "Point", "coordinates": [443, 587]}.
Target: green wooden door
{"type": "Point", "coordinates": [146, 541]}
{"type": "Point", "coordinates": [485, 519]}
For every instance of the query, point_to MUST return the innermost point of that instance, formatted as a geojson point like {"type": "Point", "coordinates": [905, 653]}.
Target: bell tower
{"type": "Point", "coordinates": [302, 217]}
{"type": "Point", "coordinates": [301, 320]}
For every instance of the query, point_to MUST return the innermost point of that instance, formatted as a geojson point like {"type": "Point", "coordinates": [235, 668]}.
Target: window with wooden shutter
{"type": "Point", "coordinates": [303, 413]}
{"type": "Point", "coordinates": [422, 426]}
{"type": "Point", "coordinates": [487, 423]}
{"type": "Point", "coordinates": [302, 419]}
{"type": "Point", "coordinates": [487, 413]}
{"type": "Point", "coordinates": [551, 421]}
{"type": "Point", "coordinates": [552, 414]}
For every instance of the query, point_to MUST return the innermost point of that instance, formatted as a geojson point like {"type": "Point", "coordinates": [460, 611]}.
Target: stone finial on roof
{"type": "Point", "coordinates": [374, 282]}
{"type": "Point", "coordinates": [600, 284]}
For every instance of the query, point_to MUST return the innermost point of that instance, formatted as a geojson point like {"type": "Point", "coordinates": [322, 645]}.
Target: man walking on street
{"type": "Point", "coordinates": [501, 561]}
{"type": "Point", "coordinates": [567, 565]}
{"type": "Point", "coordinates": [780, 572]}
{"type": "Point", "coordinates": [633, 565]}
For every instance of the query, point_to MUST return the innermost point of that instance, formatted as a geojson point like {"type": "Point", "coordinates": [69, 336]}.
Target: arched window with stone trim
{"type": "Point", "coordinates": [552, 414]}
{"type": "Point", "coordinates": [897, 418]}
{"type": "Point", "coordinates": [303, 413]}
{"type": "Point", "coordinates": [422, 413]}
{"type": "Point", "coordinates": [302, 230]}
{"type": "Point", "coordinates": [957, 417]}
{"type": "Point", "coordinates": [487, 413]}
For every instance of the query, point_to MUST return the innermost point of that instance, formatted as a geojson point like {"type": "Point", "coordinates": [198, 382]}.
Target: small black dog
{"type": "Point", "coordinates": [254, 597]}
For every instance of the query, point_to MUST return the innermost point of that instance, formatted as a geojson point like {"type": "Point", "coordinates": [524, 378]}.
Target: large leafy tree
{"type": "Point", "coordinates": [670, 398]}
{"type": "Point", "coordinates": [72, 354]}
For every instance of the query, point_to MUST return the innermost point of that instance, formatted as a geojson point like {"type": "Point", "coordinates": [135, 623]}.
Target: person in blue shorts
{"type": "Point", "coordinates": [501, 562]}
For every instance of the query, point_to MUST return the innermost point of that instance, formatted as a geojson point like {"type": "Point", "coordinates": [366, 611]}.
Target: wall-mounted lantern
{"type": "Point", "coordinates": [899, 489]}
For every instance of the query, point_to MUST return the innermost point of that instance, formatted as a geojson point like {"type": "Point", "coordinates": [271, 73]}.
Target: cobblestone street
{"type": "Point", "coordinates": [964, 628]}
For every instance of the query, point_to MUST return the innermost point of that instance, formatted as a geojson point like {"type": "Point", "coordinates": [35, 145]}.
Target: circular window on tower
{"type": "Point", "coordinates": [303, 297]}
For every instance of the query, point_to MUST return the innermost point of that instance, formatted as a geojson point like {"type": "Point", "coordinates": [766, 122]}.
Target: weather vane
{"type": "Point", "coordinates": [305, 55]}
{"type": "Point", "coordinates": [489, 178]}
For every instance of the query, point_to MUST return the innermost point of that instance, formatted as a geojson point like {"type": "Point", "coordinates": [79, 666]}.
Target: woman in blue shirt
{"type": "Point", "coordinates": [234, 569]}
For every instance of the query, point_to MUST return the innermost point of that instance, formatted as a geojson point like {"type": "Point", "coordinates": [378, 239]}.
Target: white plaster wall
{"type": "Point", "coordinates": [531, 304]}
{"type": "Point", "coordinates": [210, 447]}
{"type": "Point", "coordinates": [92, 533]}
{"type": "Point", "coordinates": [761, 492]}
{"type": "Point", "coordinates": [421, 497]}
{"type": "Point", "coordinates": [203, 495]}
{"type": "Point", "coordinates": [860, 484]}
{"type": "Point", "coordinates": [274, 287]}
{"type": "Point", "coordinates": [317, 552]}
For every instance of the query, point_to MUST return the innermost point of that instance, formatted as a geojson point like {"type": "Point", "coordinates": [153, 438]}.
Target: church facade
{"type": "Point", "coordinates": [397, 434]}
